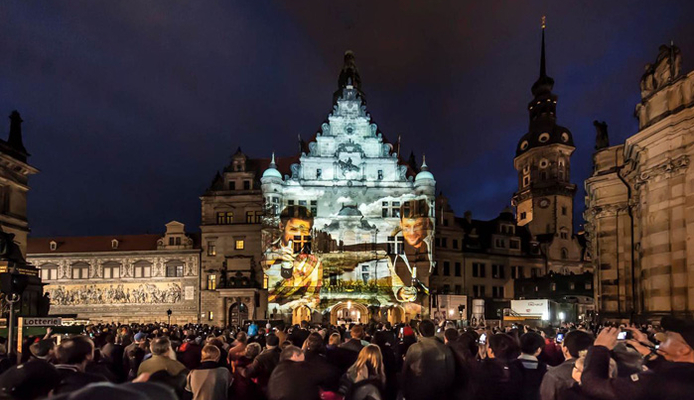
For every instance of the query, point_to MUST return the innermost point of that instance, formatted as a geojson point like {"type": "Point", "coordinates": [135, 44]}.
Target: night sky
{"type": "Point", "coordinates": [130, 107]}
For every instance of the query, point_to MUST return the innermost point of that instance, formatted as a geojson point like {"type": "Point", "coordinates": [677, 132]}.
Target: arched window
{"type": "Point", "coordinates": [564, 253]}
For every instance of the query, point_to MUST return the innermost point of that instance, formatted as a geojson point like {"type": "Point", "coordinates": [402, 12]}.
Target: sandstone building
{"type": "Point", "coordinates": [640, 202]}
{"type": "Point", "coordinates": [122, 278]}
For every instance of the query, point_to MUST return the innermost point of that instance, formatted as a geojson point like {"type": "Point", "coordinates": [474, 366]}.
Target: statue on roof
{"type": "Point", "coordinates": [601, 138]}
{"type": "Point", "coordinates": [667, 68]}
{"type": "Point", "coordinates": [349, 76]}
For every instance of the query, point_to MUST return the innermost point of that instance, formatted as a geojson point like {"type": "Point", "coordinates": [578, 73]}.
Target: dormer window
{"type": "Point", "coordinates": [53, 245]}
{"type": "Point", "coordinates": [114, 244]}
{"type": "Point", "coordinates": [543, 137]}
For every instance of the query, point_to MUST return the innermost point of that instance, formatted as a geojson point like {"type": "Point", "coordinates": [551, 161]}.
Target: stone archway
{"type": "Point", "coordinates": [301, 313]}
{"type": "Point", "coordinates": [238, 312]}
{"type": "Point", "coordinates": [349, 309]}
{"type": "Point", "coordinates": [395, 315]}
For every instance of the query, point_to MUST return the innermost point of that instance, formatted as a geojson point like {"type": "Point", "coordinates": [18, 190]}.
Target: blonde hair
{"type": "Point", "coordinates": [252, 350]}
{"type": "Point", "coordinates": [210, 352]}
{"type": "Point", "coordinates": [369, 364]}
{"type": "Point", "coordinates": [335, 339]}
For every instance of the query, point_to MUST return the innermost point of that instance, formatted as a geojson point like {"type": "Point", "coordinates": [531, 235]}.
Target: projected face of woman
{"type": "Point", "coordinates": [415, 230]}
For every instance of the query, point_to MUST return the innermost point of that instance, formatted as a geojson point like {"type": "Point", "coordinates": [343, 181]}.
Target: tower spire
{"type": "Point", "coordinates": [543, 68]}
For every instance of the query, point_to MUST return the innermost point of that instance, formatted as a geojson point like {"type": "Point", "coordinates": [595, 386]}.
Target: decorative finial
{"type": "Point", "coordinates": [424, 163]}
{"type": "Point", "coordinates": [544, 21]}
{"type": "Point", "coordinates": [272, 163]}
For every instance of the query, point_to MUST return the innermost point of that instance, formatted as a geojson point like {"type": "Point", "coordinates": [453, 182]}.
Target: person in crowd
{"type": "Point", "coordinates": [239, 349]}
{"type": "Point", "coordinates": [190, 352]}
{"type": "Point", "coordinates": [242, 386]}
{"type": "Point", "coordinates": [530, 368]}
{"type": "Point", "coordinates": [262, 366]}
{"type": "Point", "coordinates": [551, 352]}
{"type": "Point", "coordinates": [496, 379]}
{"type": "Point", "coordinates": [209, 381]}
{"type": "Point", "coordinates": [366, 378]}
{"type": "Point", "coordinates": [340, 357]}
{"type": "Point", "coordinates": [299, 334]}
{"type": "Point", "coordinates": [355, 343]}
{"type": "Point", "coordinates": [293, 380]}
{"type": "Point", "coordinates": [73, 355]}
{"type": "Point", "coordinates": [163, 359]}
{"type": "Point", "coordinates": [32, 380]}
{"type": "Point", "coordinates": [315, 359]}
{"type": "Point", "coordinates": [43, 349]}
{"type": "Point", "coordinates": [381, 338]}
{"type": "Point", "coordinates": [671, 375]}
{"type": "Point", "coordinates": [429, 367]}
{"type": "Point", "coordinates": [575, 392]}
{"type": "Point", "coordinates": [558, 379]}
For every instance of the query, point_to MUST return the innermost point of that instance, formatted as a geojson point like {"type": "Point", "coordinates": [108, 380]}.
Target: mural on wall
{"type": "Point", "coordinates": [121, 293]}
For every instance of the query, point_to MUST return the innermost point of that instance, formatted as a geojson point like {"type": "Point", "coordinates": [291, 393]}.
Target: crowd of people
{"type": "Point", "coordinates": [420, 360]}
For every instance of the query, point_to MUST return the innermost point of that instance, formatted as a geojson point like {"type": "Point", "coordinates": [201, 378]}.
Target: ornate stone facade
{"type": "Point", "coordinates": [640, 202]}
{"type": "Point", "coordinates": [130, 278]}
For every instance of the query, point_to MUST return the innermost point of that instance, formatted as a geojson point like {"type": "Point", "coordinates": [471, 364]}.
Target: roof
{"type": "Point", "coordinates": [93, 244]}
{"type": "Point", "coordinates": [481, 241]}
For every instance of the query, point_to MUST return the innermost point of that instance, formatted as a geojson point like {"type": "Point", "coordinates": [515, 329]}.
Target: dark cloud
{"type": "Point", "coordinates": [131, 106]}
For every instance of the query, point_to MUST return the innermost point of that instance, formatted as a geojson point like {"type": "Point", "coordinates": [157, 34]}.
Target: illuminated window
{"type": "Point", "coordinates": [49, 272]}
{"type": "Point", "coordinates": [266, 282]}
{"type": "Point", "coordinates": [210, 315]}
{"type": "Point", "coordinates": [211, 249]}
{"type": "Point", "coordinates": [175, 270]}
{"type": "Point", "coordinates": [239, 244]}
{"type": "Point", "coordinates": [225, 218]}
{"type": "Point", "coordinates": [211, 282]}
{"type": "Point", "coordinates": [249, 217]}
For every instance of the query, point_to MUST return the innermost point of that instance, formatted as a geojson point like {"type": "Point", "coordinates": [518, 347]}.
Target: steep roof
{"type": "Point", "coordinates": [90, 244]}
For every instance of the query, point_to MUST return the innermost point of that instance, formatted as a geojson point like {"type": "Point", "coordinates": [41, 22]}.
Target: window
{"type": "Point", "coordinates": [498, 292]}
{"type": "Point", "coordinates": [211, 249]}
{"type": "Point", "coordinates": [563, 210]}
{"type": "Point", "coordinates": [457, 269]}
{"type": "Point", "coordinates": [114, 244]}
{"type": "Point", "coordinates": [232, 185]}
{"type": "Point", "coordinates": [458, 289]}
{"type": "Point", "coordinates": [534, 272]}
{"type": "Point", "coordinates": [290, 202]}
{"type": "Point", "coordinates": [258, 217]}
{"type": "Point", "coordinates": [246, 185]}
{"type": "Point", "coordinates": [80, 270]}
{"type": "Point", "coordinates": [589, 286]}
{"type": "Point", "coordinates": [239, 244]}
{"type": "Point", "coordinates": [478, 290]}
{"type": "Point", "coordinates": [174, 269]}
{"type": "Point", "coordinates": [564, 253]}
{"type": "Point", "coordinates": [49, 272]}
{"type": "Point", "coordinates": [302, 202]}
{"type": "Point", "coordinates": [455, 243]}
{"type": "Point", "coordinates": [319, 173]}
{"type": "Point", "coordinates": [225, 218]}
{"type": "Point", "coordinates": [514, 244]}
{"type": "Point", "coordinates": [249, 217]}
{"type": "Point", "coordinates": [523, 215]}
{"type": "Point", "coordinates": [53, 245]}
{"type": "Point", "coordinates": [178, 241]}
{"type": "Point", "coordinates": [572, 286]}
{"type": "Point", "coordinates": [143, 269]}
{"type": "Point", "coordinates": [211, 282]}
{"type": "Point", "coordinates": [553, 287]}
{"type": "Point", "coordinates": [210, 315]}
{"type": "Point", "coordinates": [444, 242]}
{"type": "Point", "coordinates": [435, 271]}
{"type": "Point", "coordinates": [446, 289]}
{"type": "Point", "coordinates": [390, 209]}
{"type": "Point", "coordinates": [314, 207]}
{"type": "Point", "coordinates": [380, 174]}
{"type": "Point", "coordinates": [171, 241]}
{"type": "Point", "coordinates": [478, 270]}
{"type": "Point", "coordinates": [498, 271]}
{"type": "Point", "coordinates": [526, 180]}
{"type": "Point", "coordinates": [446, 268]}
{"type": "Point", "coordinates": [111, 270]}
{"type": "Point", "coordinates": [564, 235]}
{"type": "Point", "coordinates": [517, 272]}
{"type": "Point", "coordinates": [395, 245]}
{"type": "Point", "coordinates": [500, 243]}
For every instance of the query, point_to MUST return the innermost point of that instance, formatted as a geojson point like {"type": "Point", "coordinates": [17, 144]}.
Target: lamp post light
{"type": "Point", "coordinates": [168, 314]}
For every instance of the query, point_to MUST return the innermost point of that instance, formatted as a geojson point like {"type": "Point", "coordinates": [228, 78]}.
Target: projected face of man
{"type": "Point", "coordinates": [295, 227]}
{"type": "Point", "coordinates": [415, 230]}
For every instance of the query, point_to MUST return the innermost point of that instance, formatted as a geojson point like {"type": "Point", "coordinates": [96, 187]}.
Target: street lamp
{"type": "Point", "coordinates": [168, 313]}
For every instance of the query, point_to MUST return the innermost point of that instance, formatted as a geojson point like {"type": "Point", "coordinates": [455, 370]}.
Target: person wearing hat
{"type": "Point", "coordinates": [262, 366]}
{"type": "Point", "coordinates": [672, 375]}
{"type": "Point", "coordinates": [31, 380]}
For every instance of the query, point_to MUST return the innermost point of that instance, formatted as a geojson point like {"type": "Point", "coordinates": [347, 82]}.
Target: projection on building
{"type": "Point", "coordinates": [352, 226]}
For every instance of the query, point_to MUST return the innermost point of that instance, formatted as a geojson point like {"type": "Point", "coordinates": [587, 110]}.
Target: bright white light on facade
{"type": "Point", "coordinates": [562, 315]}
